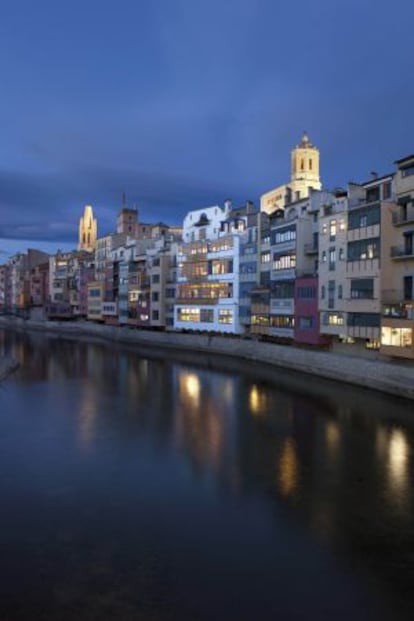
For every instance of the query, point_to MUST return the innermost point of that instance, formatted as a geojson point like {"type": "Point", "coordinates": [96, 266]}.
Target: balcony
{"type": "Point", "coordinates": [311, 248]}
{"type": "Point", "coordinates": [402, 252]}
{"type": "Point", "coordinates": [399, 219]}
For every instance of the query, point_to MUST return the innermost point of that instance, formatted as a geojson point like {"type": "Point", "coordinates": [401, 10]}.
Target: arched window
{"type": "Point", "coordinates": [310, 164]}
{"type": "Point", "coordinates": [302, 164]}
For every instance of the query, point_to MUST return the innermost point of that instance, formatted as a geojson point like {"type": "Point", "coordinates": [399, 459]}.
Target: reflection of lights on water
{"type": "Point", "coordinates": [398, 466]}
{"type": "Point", "coordinates": [288, 468]}
{"type": "Point", "coordinates": [190, 387]}
{"type": "Point", "coordinates": [257, 400]}
{"type": "Point", "coordinates": [398, 455]}
{"type": "Point", "coordinates": [332, 435]}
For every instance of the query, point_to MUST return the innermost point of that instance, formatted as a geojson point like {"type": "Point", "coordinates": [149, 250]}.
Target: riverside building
{"type": "Point", "coordinates": [208, 270]}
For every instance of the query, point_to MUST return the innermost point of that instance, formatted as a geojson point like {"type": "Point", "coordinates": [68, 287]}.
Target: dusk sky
{"type": "Point", "coordinates": [183, 103]}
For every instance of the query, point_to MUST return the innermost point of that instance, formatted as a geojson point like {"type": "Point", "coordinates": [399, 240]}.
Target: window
{"type": "Point", "coordinates": [364, 320]}
{"type": "Point", "coordinates": [283, 290]}
{"type": "Point", "coordinates": [310, 164]}
{"type": "Point", "coordinates": [188, 314]}
{"type": "Point", "coordinates": [225, 315]}
{"type": "Point", "coordinates": [170, 292]}
{"type": "Point", "coordinates": [397, 337]}
{"type": "Point", "coordinates": [155, 315]}
{"type": "Point", "coordinates": [284, 262]}
{"type": "Point", "coordinates": [342, 225]}
{"type": "Point", "coordinates": [323, 257]}
{"type": "Point", "coordinates": [364, 249]}
{"type": "Point", "coordinates": [306, 293]}
{"type": "Point", "coordinates": [332, 319]}
{"type": "Point", "coordinates": [407, 171]}
{"type": "Point", "coordinates": [386, 190]}
{"type": "Point", "coordinates": [339, 292]}
{"type": "Point", "coordinates": [373, 194]}
{"type": "Point", "coordinates": [222, 266]}
{"type": "Point", "coordinates": [282, 321]}
{"type": "Point", "coordinates": [306, 323]}
{"type": "Point", "coordinates": [155, 296]}
{"type": "Point", "coordinates": [155, 278]}
{"type": "Point", "coordinates": [324, 228]}
{"type": "Point", "coordinates": [366, 216]}
{"type": "Point", "coordinates": [265, 257]}
{"type": "Point", "coordinates": [156, 262]}
{"type": "Point", "coordinates": [207, 315]}
{"type": "Point", "coordinates": [362, 288]}
{"type": "Point", "coordinates": [332, 230]}
{"type": "Point", "coordinates": [323, 292]}
{"type": "Point", "coordinates": [332, 258]}
{"type": "Point", "coordinates": [341, 254]}
{"type": "Point", "coordinates": [284, 235]}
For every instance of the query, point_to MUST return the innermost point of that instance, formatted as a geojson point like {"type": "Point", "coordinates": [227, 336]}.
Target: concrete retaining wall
{"type": "Point", "coordinates": [391, 377]}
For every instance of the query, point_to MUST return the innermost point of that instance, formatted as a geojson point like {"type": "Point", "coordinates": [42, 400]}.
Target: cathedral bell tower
{"type": "Point", "coordinates": [304, 168]}
{"type": "Point", "coordinates": [87, 230]}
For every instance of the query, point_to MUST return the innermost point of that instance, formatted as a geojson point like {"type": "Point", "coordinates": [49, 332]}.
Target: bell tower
{"type": "Point", "coordinates": [304, 168]}
{"type": "Point", "coordinates": [87, 230]}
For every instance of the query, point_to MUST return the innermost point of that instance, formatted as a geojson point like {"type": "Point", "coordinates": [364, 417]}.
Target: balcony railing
{"type": "Point", "coordinates": [395, 296]}
{"type": "Point", "coordinates": [401, 252]}
{"type": "Point", "coordinates": [398, 219]}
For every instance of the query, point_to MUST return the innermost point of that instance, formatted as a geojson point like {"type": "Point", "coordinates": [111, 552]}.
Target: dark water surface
{"type": "Point", "coordinates": [146, 487]}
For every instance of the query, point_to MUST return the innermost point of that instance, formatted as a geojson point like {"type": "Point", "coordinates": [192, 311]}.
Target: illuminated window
{"type": "Point", "coordinates": [332, 230]}
{"type": "Point", "coordinates": [225, 315]}
{"type": "Point", "coordinates": [397, 337]}
{"type": "Point", "coordinates": [188, 314]}
{"type": "Point", "coordinates": [284, 262]}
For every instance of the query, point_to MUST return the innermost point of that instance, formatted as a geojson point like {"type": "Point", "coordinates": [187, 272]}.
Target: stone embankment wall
{"type": "Point", "coordinates": [395, 378]}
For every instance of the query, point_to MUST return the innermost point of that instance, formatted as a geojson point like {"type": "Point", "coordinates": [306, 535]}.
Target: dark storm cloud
{"type": "Point", "coordinates": [181, 104]}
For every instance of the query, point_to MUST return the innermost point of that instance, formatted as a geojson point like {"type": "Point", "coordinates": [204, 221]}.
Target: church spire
{"type": "Point", "coordinates": [87, 230]}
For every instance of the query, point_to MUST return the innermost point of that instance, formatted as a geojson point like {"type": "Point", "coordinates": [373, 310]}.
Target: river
{"type": "Point", "coordinates": [149, 486]}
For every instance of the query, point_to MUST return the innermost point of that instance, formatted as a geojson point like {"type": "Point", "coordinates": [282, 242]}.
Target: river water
{"type": "Point", "coordinates": [148, 486]}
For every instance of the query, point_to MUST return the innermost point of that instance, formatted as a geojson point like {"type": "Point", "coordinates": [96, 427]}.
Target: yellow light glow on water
{"type": "Point", "coordinates": [288, 468]}
{"type": "Point", "coordinates": [257, 400]}
{"type": "Point", "coordinates": [190, 387]}
{"type": "Point", "coordinates": [398, 455]}
{"type": "Point", "coordinates": [332, 435]}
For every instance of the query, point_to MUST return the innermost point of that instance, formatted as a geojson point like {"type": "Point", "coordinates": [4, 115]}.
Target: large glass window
{"type": "Point", "coordinates": [282, 321]}
{"type": "Point", "coordinates": [397, 337]}
{"type": "Point", "coordinates": [362, 288]}
{"type": "Point", "coordinates": [188, 314]}
{"type": "Point", "coordinates": [364, 249]}
{"type": "Point", "coordinates": [367, 216]}
{"type": "Point", "coordinates": [364, 320]}
{"type": "Point", "coordinates": [284, 235]}
{"type": "Point", "coordinates": [284, 262]}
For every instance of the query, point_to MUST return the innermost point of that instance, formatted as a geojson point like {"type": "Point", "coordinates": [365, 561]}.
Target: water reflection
{"type": "Point", "coordinates": [168, 435]}
{"type": "Point", "coordinates": [257, 400]}
{"type": "Point", "coordinates": [398, 468]}
{"type": "Point", "coordinates": [88, 410]}
{"type": "Point", "coordinates": [288, 468]}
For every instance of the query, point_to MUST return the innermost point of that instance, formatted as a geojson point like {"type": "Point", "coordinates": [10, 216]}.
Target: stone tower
{"type": "Point", "coordinates": [304, 176]}
{"type": "Point", "coordinates": [87, 230]}
{"type": "Point", "coordinates": [304, 169]}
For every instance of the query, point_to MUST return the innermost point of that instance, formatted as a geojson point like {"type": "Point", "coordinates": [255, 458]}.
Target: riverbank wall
{"type": "Point", "coordinates": [395, 378]}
